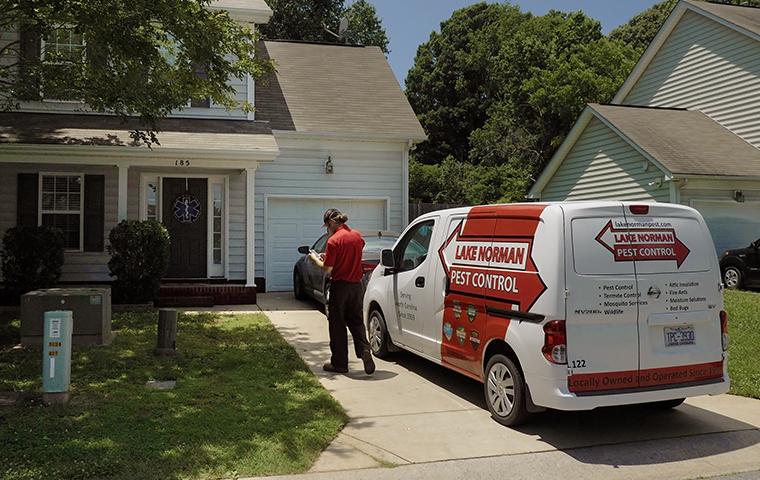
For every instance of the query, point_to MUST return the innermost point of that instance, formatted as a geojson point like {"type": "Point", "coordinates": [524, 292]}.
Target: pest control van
{"type": "Point", "coordinates": [570, 306]}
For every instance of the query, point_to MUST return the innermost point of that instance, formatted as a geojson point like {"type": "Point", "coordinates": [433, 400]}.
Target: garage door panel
{"type": "Point", "coordinates": [731, 224]}
{"type": "Point", "coordinates": [292, 222]}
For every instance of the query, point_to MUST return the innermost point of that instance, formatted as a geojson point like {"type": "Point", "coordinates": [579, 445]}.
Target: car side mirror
{"type": "Point", "coordinates": [387, 259]}
{"type": "Point", "coordinates": [304, 250]}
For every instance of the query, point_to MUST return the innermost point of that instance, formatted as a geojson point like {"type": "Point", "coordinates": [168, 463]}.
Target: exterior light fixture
{"type": "Point", "coordinates": [739, 196]}
{"type": "Point", "coordinates": [329, 165]}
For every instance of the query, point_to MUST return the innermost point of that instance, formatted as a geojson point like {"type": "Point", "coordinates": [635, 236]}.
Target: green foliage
{"type": "Point", "coordinates": [245, 405]}
{"type": "Point", "coordinates": [309, 20]}
{"type": "Point", "coordinates": [32, 258]}
{"type": "Point", "coordinates": [364, 26]}
{"type": "Point", "coordinates": [497, 90]}
{"type": "Point", "coordinates": [641, 29]}
{"type": "Point", "coordinates": [141, 56]}
{"type": "Point", "coordinates": [139, 258]}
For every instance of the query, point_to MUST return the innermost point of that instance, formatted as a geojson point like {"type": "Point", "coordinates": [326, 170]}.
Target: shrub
{"type": "Point", "coordinates": [32, 259]}
{"type": "Point", "coordinates": [139, 258]}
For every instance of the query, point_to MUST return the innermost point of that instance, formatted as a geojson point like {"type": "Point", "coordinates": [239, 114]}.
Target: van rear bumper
{"type": "Point", "coordinates": [553, 393]}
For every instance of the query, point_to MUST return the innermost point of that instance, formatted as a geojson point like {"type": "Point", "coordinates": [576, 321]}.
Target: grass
{"type": "Point", "coordinates": [744, 351]}
{"type": "Point", "coordinates": [245, 404]}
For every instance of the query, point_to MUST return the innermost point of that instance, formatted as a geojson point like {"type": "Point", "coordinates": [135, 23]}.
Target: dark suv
{"type": "Point", "coordinates": [741, 267]}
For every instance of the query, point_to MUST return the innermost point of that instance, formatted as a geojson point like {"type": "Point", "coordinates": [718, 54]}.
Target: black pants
{"type": "Point", "coordinates": [346, 311]}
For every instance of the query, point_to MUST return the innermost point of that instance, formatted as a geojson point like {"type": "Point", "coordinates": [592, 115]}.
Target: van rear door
{"type": "Point", "coordinates": [601, 317]}
{"type": "Point", "coordinates": [680, 298]}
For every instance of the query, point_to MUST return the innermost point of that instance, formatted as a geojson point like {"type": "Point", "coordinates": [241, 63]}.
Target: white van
{"type": "Point", "coordinates": [569, 306]}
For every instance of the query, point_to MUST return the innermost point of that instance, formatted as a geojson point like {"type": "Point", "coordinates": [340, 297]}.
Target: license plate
{"type": "Point", "coordinates": [683, 335]}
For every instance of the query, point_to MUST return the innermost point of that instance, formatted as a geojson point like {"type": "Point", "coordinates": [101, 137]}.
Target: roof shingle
{"type": "Point", "coordinates": [334, 89]}
{"type": "Point", "coordinates": [742, 16]}
{"type": "Point", "coordinates": [685, 142]}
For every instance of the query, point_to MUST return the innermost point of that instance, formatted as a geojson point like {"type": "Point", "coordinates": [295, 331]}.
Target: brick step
{"type": "Point", "coordinates": [224, 294]}
{"type": "Point", "coordinates": [196, 301]}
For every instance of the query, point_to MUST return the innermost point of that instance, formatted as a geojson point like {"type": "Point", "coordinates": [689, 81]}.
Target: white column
{"type": "Point", "coordinates": [250, 227]}
{"type": "Point", "coordinates": [122, 198]}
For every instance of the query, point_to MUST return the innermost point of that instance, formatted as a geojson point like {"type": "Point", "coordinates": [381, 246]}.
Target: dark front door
{"type": "Point", "coordinates": [184, 214]}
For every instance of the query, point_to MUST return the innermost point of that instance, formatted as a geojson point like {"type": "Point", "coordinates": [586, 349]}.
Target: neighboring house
{"type": "Point", "coordinates": [684, 127]}
{"type": "Point", "coordinates": [238, 192]}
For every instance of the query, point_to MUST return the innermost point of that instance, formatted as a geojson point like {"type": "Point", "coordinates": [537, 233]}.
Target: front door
{"type": "Point", "coordinates": [185, 203]}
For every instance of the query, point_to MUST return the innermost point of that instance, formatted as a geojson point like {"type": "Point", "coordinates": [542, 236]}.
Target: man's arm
{"type": "Point", "coordinates": [318, 260]}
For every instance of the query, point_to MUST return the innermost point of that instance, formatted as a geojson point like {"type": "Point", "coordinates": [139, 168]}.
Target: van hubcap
{"type": "Point", "coordinates": [731, 278]}
{"type": "Point", "coordinates": [375, 334]}
{"type": "Point", "coordinates": [501, 390]}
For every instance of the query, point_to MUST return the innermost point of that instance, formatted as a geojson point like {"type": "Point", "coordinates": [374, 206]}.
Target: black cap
{"type": "Point", "coordinates": [330, 214]}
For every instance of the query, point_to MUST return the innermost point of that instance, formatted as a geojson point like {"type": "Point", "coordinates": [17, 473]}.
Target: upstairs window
{"type": "Point", "coordinates": [200, 72]}
{"type": "Point", "coordinates": [61, 51]}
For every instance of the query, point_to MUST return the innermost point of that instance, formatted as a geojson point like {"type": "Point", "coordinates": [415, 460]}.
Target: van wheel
{"type": "Point", "coordinates": [298, 288]}
{"type": "Point", "coordinates": [504, 388]}
{"type": "Point", "coordinates": [732, 278]}
{"type": "Point", "coordinates": [379, 341]}
{"type": "Point", "coordinates": [667, 404]}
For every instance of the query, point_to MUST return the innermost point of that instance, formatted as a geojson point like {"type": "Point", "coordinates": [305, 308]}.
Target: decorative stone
{"type": "Point", "coordinates": [161, 384]}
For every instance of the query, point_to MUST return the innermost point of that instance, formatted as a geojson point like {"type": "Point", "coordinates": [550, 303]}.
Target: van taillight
{"type": "Point", "coordinates": [724, 330]}
{"type": "Point", "coordinates": [555, 342]}
{"type": "Point", "coordinates": [639, 209]}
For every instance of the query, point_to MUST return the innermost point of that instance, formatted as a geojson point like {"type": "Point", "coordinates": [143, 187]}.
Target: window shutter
{"type": "Point", "coordinates": [26, 199]}
{"type": "Point", "coordinates": [29, 80]}
{"type": "Point", "coordinates": [94, 212]}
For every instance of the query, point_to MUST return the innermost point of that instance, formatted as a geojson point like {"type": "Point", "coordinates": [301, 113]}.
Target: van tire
{"type": "Point", "coordinates": [377, 334]}
{"type": "Point", "coordinates": [667, 404]}
{"type": "Point", "coordinates": [502, 369]}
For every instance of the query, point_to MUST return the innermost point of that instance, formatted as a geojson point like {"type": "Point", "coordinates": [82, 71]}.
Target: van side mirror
{"type": "Point", "coordinates": [304, 250]}
{"type": "Point", "coordinates": [387, 259]}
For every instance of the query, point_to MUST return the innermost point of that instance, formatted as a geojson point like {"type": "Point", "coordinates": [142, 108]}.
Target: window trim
{"type": "Point", "coordinates": [40, 177]}
{"type": "Point", "coordinates": [43, 61]}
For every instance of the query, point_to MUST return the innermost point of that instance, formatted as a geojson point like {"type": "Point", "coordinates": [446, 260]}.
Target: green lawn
{"type": "Point", "coordinates": [245, 404]}
{"type": "Point", "coordinates": [744, 351]}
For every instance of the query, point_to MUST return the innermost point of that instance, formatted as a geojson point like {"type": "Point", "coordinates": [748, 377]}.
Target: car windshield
{"type": "Point", "coordinates": [378, 243]}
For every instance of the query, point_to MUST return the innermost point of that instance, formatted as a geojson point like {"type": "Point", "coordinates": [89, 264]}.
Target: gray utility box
{"type": "Point", "coordinates": [91, 308]}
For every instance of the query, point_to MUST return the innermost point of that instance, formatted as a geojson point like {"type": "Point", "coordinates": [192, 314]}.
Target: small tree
{"type": "Point", "coordinates": [32, 259]}
{"type": "Point", "coordinates": [139, 258]}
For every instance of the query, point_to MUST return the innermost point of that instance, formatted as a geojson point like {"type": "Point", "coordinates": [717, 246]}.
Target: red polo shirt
{"type": "Point", "coordinates": [344, 255]}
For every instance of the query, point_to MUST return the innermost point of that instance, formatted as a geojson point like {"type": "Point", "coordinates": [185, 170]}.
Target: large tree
{"type": "Point", "coordinates": [318, 21]}
{"type": "Point", "coordinates": [497, 90]}
{"type": "Point", "coordinates": [143, 58]}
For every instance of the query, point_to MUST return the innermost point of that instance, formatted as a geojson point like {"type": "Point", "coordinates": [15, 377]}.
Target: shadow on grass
{"type": "Point", "coordinates": [245, 404]}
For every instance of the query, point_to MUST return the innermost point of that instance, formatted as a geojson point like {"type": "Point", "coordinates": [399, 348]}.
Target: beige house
{"type": "Point", "coordinates": [683, 128]}
{"type": "Point", "coordinates": [239, 192]}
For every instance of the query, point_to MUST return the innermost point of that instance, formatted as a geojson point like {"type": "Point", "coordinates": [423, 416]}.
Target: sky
{"type": "Point", "coordinates": [409, 22]}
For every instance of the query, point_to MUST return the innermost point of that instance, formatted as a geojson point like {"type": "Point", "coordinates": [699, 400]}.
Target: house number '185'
{"type": "Point", "coordinates": [182, 163]}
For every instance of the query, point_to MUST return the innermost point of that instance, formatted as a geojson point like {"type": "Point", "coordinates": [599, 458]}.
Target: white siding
{"type": "Point", "coordinates": [361, 170]}
{"type": "Point", "coordinates": [78, 266]}
{"type": "Point", "coordinates": [706, 66]}
{"type": "Point", "coordinates": [601, 165]}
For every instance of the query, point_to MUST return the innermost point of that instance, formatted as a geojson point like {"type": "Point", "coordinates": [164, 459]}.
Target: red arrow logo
{"type": "Point", "coordinates": [499, 268]}
{"type": "Point", "coordinates": [643, 244]}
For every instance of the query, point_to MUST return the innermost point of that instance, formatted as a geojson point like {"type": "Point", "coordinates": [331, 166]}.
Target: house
{"type": "Point", "coordinates": [331, 128]}
{"type": "Point", "coordinates": [683, 128]}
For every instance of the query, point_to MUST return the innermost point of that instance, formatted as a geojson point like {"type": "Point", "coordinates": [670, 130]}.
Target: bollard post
{"type": "Point", "coordinates": [56, 357]}
{"type": "Point", "coordinates": [166, 344]}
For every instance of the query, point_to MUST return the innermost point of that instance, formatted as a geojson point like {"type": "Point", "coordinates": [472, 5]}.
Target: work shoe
{"type": "Point", "coordinates": [369, 364]}
{"type": "Point", "coordinates": [328, 367]}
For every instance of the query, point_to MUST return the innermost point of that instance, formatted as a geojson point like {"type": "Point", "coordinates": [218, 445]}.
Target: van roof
{"type": "Point", "coordinates": [567, 206]}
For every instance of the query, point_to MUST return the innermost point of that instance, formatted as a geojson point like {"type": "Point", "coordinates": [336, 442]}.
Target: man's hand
{"type": "Point", "coordinates": [317, 258]}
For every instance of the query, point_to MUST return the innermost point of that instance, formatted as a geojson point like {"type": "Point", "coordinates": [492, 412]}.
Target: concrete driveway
{"type": "Point", "coordinates": [420, 416]}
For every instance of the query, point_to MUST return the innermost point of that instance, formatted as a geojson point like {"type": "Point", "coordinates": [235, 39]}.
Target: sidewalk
{"type": "Point", "coordinates": [419, 416]}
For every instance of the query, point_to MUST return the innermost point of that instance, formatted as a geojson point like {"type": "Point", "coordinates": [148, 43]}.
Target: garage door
{"type": "Point", "coordinates": [732, 224]}
{"type": "Point", "coordinates": [292, 222]}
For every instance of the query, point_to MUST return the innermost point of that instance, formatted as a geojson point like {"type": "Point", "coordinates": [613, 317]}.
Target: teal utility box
{"type": "Point", "coordinates": [56, 356]}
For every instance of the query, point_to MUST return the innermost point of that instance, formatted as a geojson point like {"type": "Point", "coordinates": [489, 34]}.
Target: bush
{"type": "Point", "coordinates": [32, 259]}
{"type": "Point", "coordinates": [139, 258]}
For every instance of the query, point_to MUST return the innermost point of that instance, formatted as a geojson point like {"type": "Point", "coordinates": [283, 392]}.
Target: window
{"type": "Point", "coordinates": [413, 248]}
{"type": "Point", "coordinates": [200, 72]}
{"type": "Point", "coordinates": [218, 210]}
{"type": "Point", "coordinates": [61, 49]}
{"type": "Point", "coordinates": [319, 245]}
{"type": "Point", "coordinates": [61, 206]}
{"type": "Point", "coordinates": [151, 200]}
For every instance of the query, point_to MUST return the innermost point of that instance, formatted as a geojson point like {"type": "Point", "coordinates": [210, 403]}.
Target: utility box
{"type": "Point", "coordinates": [56, 356]}
{"type": "Point", "coordinates": [90, 307]}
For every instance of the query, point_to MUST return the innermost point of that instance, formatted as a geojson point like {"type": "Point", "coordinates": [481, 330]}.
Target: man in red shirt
{"type": "Point", "coordinates": [343, 263]}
